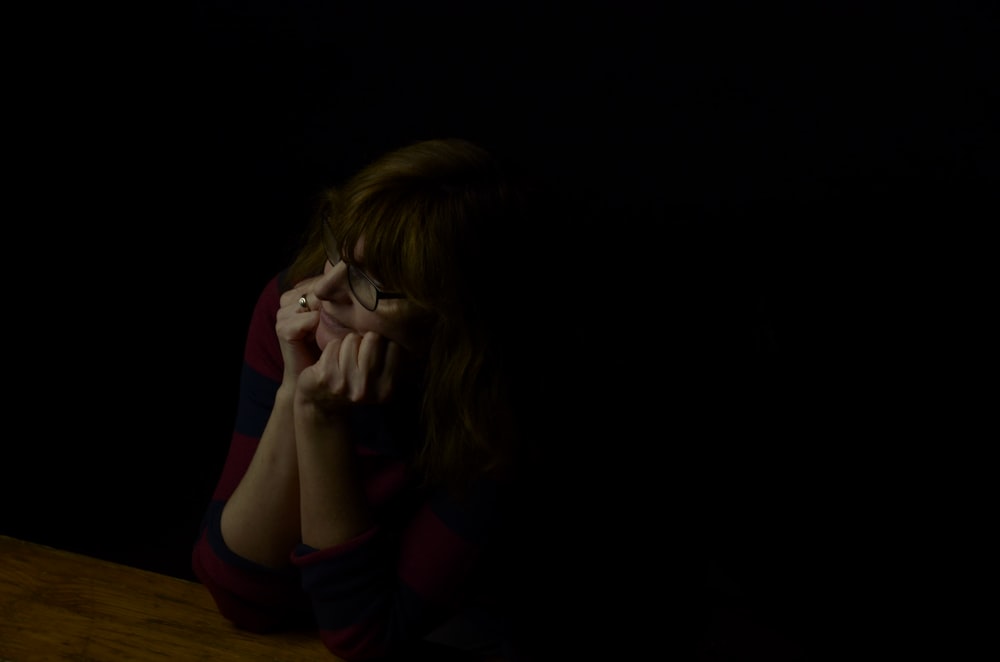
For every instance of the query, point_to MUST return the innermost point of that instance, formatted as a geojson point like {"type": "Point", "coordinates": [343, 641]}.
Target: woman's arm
{"type": "Point", "coordinates": [356, 369]}
{"type": "Point", "coordinates": [255, 595]}
{"type": "Point", "coordinates": [331, 492]}
{"type": "Point", "coordinates": [260, 521]}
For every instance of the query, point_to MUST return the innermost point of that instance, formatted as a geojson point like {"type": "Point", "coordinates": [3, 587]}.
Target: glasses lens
{"type": "Point", "coordinates": [363, 288]}
{"type": "Point", "coordinates": [330, 244]}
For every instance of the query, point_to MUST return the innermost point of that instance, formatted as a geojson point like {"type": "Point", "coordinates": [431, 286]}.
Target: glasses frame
{"type": "Point", "coordinates": [331, 247]}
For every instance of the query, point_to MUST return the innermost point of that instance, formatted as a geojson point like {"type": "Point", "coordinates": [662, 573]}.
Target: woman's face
{"type": "Point", "coordinates": [341, 313]}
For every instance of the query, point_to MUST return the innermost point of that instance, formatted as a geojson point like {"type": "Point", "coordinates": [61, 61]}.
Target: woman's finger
{"type": "Point", "coordinates": [370, 353]}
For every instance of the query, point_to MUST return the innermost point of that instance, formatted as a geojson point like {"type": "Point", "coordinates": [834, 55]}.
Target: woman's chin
{"type": "Point", "coordinates": [323, 337]}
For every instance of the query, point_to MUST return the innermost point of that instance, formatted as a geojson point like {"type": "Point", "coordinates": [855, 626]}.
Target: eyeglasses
{"type": "Point", "coordinates": [365, 290]}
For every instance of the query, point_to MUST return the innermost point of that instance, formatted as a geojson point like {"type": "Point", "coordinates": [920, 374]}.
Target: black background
{"type": "Point", "coordinates": [763, 211]}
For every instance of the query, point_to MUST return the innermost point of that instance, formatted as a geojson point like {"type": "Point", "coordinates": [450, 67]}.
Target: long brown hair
{"type": "Point", "coordinates": [441, 222]}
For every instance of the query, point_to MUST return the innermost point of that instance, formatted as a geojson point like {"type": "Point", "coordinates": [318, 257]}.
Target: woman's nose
{"type": "Point", "coordinates": [332, 281]}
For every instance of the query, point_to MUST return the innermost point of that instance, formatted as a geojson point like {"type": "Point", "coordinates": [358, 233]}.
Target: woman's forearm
{"type": "Point", "coordinates": [260, 521]}
{"type": "Point", "coordinates": [332, 498]}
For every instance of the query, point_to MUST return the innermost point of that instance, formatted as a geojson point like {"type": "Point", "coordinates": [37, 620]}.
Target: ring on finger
{"type": "Point", "coordinates": [303, 303]}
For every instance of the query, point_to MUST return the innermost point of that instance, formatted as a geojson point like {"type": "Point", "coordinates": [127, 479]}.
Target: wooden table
{"type": "Point", "coordinates": [57, 605]}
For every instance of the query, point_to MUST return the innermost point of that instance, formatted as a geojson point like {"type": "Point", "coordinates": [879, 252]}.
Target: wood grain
{"type": "Point", "coordinates": [57, 605]}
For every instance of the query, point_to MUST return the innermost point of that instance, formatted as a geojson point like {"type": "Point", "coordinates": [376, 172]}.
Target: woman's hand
{"type": "Point", "coordinates": [351, 370]}
{"type": "Point", "coordinates": [296, 330]}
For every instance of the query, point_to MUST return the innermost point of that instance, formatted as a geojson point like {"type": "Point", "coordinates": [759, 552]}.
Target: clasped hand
{"type": "Point", "coordinates": [353, 368]}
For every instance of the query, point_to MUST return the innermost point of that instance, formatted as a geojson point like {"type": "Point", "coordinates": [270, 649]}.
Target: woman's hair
{"type": "Point", "coordinates": [447, 224]}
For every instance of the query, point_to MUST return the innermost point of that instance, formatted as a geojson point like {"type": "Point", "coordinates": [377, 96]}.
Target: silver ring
{"type": "Point", "coordinates": [303, 302]}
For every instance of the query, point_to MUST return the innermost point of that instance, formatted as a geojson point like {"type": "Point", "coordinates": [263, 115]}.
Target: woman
{"type": "Point", "coordinates": [376, 469]}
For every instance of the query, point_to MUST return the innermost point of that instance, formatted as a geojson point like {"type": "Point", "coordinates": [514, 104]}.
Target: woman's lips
{"type": "Point", "coordinates": [332, 323]}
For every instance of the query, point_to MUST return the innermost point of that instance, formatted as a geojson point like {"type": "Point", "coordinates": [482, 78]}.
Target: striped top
{"type": "Point", "coordinates": [427, 558]}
